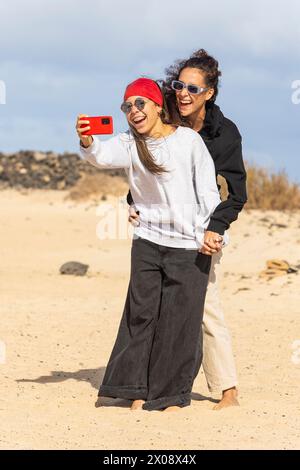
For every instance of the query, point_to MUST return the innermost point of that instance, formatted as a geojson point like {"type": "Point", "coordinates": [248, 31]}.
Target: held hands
{"type": "Point", "coordinates": [212, 240]}
{"type": "Point", "coordinates": [86, 140]}
{"type": "Point", "coordinates": [212, 243]}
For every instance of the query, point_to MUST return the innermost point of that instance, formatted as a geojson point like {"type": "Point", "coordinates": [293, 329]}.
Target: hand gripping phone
{"type": "Point", "coordinates": [98, 125]}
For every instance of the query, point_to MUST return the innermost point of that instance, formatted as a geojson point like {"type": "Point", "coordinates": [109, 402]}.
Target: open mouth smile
{"type": "Point", "coordinates": [185, 103]}
{"type": "Point", "coordinates": [138, 120]}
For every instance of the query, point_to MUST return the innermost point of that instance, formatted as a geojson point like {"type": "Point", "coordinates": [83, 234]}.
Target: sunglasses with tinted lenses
{"type": "Point", "coordinates": [177, 85]}
{"type": "Point", "coordinates": [139, 103]}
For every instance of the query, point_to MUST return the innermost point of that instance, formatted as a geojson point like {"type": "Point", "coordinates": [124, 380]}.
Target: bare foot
{"type": "Point", "coordinates": [229, 398]}
{"type": "Point", "coordinates": [137, 405]}
{"type": "Point", "coordinates": [172, 408]}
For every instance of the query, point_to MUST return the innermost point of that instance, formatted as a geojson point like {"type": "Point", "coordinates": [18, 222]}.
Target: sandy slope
{"type": "Point", "coordinates": [59, 331]}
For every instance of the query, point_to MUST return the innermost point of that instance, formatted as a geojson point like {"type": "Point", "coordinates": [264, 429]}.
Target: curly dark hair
{"type": "Point", "coordinates": [199, 60]}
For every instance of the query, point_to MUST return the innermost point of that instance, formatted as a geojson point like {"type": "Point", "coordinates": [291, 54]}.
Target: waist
{"type": "Point", "coordinates": [164, 235]}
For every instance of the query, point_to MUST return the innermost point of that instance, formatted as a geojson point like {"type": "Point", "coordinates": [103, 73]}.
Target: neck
{"type": "Point", "coordinates": [196, 120]}
{"type": "Point", "coordinates": [160, 130]}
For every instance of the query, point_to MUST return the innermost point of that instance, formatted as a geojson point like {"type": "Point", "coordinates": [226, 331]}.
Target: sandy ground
{"type": "Point", "coordinates": [59, 330]}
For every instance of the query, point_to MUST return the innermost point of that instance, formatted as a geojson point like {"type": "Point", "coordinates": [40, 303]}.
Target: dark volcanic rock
{"type": "Point", "coordinates": [74, 267]}
{"type": "Point", "coordinates": [45, 170]}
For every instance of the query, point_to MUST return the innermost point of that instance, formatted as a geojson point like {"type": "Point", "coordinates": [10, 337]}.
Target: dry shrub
{"type": "Point", "coordinates": [267, 190]}
{"type": "Point", "coordinates": [98, 186]}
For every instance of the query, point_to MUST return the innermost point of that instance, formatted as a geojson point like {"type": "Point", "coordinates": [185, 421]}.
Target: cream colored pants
{"type": "Point", "coordinates": [218, 362]}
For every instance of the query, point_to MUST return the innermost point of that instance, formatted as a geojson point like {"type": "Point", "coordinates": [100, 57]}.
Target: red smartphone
{"type": "Point", "coordinates": [98, 125]}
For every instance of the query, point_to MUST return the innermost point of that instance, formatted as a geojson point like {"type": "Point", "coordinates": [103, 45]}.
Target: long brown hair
{"type": "Point", "coordinates": [144, 153]}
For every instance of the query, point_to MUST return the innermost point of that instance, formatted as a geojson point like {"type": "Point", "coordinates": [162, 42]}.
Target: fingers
{"type": "Point", "coordinates": [80, 123]}
{"type": "Point", "coordinates": [81, 131]}
{"type": "Point", "coordinates": [205, 252]}
{"type": "Point", "coordinates": [133, 217]}
{"type": "Point", "coordinates": [212, 242]}
{"type": "Point", "coordinates": [219, 248]}
{"type": "Point", "coordinates": [208, 250]}
{"type": "Point", "coordinates": [213, 247]}
{"type": "Point", "coordinates": [134, 222]}
{"type": "Point", "coordinates": [81, 120]}
{"type": "Point", "coordinates": [133, 213]}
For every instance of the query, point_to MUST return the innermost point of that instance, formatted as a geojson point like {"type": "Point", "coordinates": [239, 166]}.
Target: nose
{"type": "Point", "coordinates": [183, 93]}
{"type": "Point", "coordinates": [135, 110]}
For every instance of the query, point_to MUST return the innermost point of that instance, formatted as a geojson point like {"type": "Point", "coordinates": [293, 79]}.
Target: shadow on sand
{"type": "Point", "coordinates": [94, 377]}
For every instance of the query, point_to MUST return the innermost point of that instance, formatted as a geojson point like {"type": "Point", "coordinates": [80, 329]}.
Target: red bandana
{"type": "Point", "coordinates": [146, 88]}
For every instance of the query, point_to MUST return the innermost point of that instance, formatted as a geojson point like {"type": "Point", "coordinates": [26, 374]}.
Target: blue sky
{"type": "Point", "coordinates": [60, 58]}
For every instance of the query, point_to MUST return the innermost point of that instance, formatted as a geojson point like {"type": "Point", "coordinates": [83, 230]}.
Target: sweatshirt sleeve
{"type": "Point", "coordinates": [205, 185]}
{"type": "Point", "coordinates": [231, 167]}
{"type": "Point", "coordinates": [111, 153]}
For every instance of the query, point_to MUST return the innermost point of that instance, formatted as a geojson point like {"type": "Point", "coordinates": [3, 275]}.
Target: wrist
{"type": "Point", "coordinates": [86, 142]}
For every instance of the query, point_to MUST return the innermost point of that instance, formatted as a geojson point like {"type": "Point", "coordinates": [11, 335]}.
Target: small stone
{"type": "Point", "coordinates": [46, 178]}
{"type": "Point", "coordinates": [61, 184]}
{"type": "Point", "coordinates": [39, 156]}
{"type": "Point", "coordinates": [74, 268]}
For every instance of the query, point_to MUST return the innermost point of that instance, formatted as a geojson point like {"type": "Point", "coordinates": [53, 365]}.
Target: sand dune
{"type": "Point", "coordinates": [58, 332]}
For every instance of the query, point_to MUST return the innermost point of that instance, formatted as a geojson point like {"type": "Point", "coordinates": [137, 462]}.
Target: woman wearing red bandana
{"type": "Point", "coordinates": [172, 181]}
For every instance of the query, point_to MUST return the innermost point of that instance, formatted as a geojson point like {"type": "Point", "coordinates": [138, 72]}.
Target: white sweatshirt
{"type": "Point", "coordinates": [174, 207]}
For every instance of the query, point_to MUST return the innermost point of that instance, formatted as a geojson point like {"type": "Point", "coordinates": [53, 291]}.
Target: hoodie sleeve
{"type": "Point", "coordinates": [205, 187]}
{"type": "Point", "coordinates": [230, 165]}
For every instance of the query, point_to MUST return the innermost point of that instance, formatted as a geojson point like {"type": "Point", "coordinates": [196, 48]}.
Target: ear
{"type": "Point", "coordinates": [209, 94]}
{"type": "Point", "coordinates": [158, 109]}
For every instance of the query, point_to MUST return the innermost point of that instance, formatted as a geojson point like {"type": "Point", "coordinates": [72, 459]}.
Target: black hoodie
{"type": "Point", "coordinates": [224, 143]}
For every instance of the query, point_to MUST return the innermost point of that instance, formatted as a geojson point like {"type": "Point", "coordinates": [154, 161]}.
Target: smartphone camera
{"type": "Point", "coordinates": [105, 121]}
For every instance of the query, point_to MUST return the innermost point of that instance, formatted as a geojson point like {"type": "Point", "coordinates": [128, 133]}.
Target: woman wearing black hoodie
{"type": "Point", "coordinates": [191, 88]}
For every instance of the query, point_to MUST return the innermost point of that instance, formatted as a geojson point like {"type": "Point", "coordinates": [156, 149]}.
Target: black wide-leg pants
{"type": "Point", "coordinates": [158, 346]}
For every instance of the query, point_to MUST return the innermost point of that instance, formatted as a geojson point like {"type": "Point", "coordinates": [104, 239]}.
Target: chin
{"type": "Point", "coordinates": [185, 111]}
{"type": "Point", "coordinates": [143, 129]}
{"type": "Point", "coordinates": [140, 130]}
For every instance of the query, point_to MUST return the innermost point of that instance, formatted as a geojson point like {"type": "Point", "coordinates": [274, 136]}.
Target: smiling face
{"type": "Point", "coordinates": [145, 121]}
{"type": "Point", "coordinates": [189, 104]}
